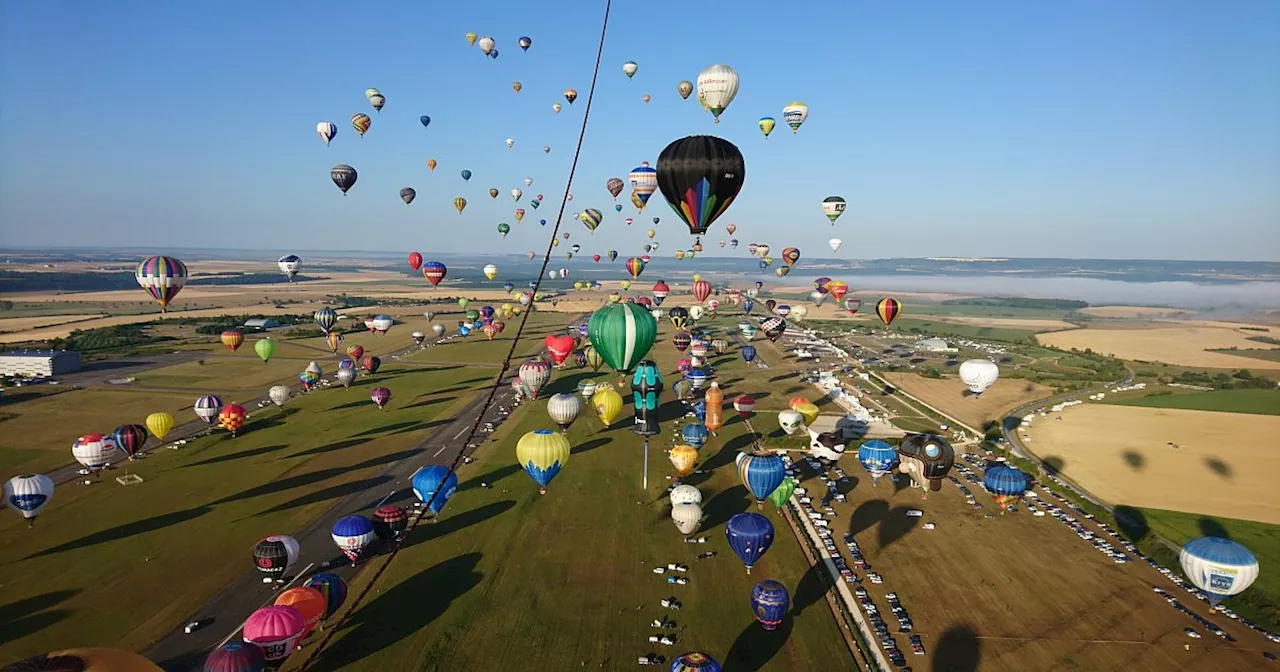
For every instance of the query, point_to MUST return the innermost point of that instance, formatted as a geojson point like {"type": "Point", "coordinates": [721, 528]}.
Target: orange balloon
{"type": "Point", "coordinates": [308, 601]}
{"type": "Point", "coordinates": [684, 459]}
{"type": "Point", "coordinates": [715, 408]}
{"type": "Point", "coordinates": [796, 401]}
{"type": "Point", "coordinates": [232, 339]}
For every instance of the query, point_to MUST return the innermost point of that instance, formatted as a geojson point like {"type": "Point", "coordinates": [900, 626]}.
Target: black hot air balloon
{"type": "Point", "coordinates": [344, 176]}
{"type": "Point", "coordinates": [700, 176]}
{"type": "Point", "coordinates": [646, 388]}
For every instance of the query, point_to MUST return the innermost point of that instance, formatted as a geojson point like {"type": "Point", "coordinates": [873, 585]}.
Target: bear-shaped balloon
{"type": "Point", "coordinates": [826, 446]}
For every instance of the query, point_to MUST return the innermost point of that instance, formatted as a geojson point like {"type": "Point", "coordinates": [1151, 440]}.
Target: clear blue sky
{"type": "Point", "coordinates": [1093, 128]}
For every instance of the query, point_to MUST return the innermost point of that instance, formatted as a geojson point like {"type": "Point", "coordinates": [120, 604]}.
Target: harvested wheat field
{"type": "Point", "coordinates": [1124, 312]}
{"type": "Point", "coordinates": [12, 324]}
{"type": "Point", "coordinates": [1184, 346]}
{"type": "Point", "coordinates": [1030, 324]}
{"type": "Point", "coordinates": [1222, 466]}
{"type": "Point", "coordinates": [64, 330]}
{"type": "Point", "coordinates": [950, 396]}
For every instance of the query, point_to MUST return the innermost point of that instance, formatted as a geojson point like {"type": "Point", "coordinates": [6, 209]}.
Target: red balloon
{"type": "Point", "coordinates": [560, 347]}
{"type": "Point", "coordinates": [701, 290]}
{"type": "Point", "coordinates": [415, 260]}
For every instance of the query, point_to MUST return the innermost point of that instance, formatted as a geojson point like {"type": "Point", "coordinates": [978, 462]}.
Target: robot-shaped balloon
{"type": "Point", "coordinates": [646, 388]}
{"type": "Point", "coordinates": [926, 457]}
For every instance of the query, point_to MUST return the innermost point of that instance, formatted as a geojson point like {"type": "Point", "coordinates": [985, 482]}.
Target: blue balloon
{"type": "Point", "coordinates": [700, 410]}
{"type": "Point", "coordinates": [695, 435]}
{"type": "Point", "coordinates": [466, 175]}
{"type": "Point", "coordinates": [748, 304]}
{"type": "Point", "coordinates": [770, 602]}
{"type": "Point", "coordinates": [507, 287]}
{"type": "Point", "coordinates": [878, 458]}
{"type": "Point", "coordinates": [427, 480]}
{"type": "Point", "coordinates": [426, 121]}
{"type": "Point", "coordinates": [1005, 480]}
{"type": "Point", "coordinates": [464, 331]}
{"type": "Point", "coordinates": [352, 526]}
{"type": "Point", "coordinates": [695, 661]}
{"type": "Point", "coordinates": [542, 222]}
{"type": "Point", "coordinates": [346, 364]}
{"type": "Point", "coordinates": [748, 353]}
{"type": "Point", "coordinates": [762, 472]}
{"type": "Point", "coordinates": [750, 535]}
{"type": "Point", "coordinates": [333, 588]}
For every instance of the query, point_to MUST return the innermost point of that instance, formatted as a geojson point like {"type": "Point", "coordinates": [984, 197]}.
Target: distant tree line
{"type": "Point", "coordinates": [1018, 302]}
{"type": "Point", "coordinates": [250, 279]}
{"type": "Point", "coordinates": [107, 339]}
{"type": "Point", "coordinates": [1238, 380]}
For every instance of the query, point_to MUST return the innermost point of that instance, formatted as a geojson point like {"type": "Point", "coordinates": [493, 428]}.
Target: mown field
{"type": "Point", "coordinates": [110, 565]}
{"type": "Point", "coordinates": [1016, 592]}
{"type": "Point", "coordinates": [949, 395]}
{"type": "Point", "coordinates": [1262, 401]}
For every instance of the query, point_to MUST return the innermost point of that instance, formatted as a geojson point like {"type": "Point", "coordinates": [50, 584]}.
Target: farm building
{"type": "Point", "coordinates": [261, 323]}
{"type": "Point", "coordinates": [39, 363]}
{"type": "Point", "coordinates": [934, 345]}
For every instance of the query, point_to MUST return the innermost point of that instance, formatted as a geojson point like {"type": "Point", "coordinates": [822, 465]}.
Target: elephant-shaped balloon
{"type": "Point", "coordinates": [827, 445]}
{"type": "Point", "coordinates": [790, 421]}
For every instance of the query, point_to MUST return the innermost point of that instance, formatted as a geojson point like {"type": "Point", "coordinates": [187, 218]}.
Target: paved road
{"type": "Point", "coordinates": [180, 652]}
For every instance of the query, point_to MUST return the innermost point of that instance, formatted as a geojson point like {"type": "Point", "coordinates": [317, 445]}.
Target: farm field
{"type": "Point", "coordinates": [119, 566]}
{"type": "Point", "coordinates": [15, 324]}
{"type": "Point", "coordinates": [1125, 455]}
{"type": "Point", "coordinates": [1183, 345]}
{"type": "Point", "coordinates": [507, 593]}
{"type": "Point", "coordinates": [950, 396]}
{"type": "Point", "coordinates": [1013, 593]}
{"type": "Point", "coordinates": [1263, 401]}
{"type": "Point", "coordinates": [1131, 312]}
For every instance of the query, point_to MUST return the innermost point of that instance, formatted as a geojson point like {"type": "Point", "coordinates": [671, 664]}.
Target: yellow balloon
{"type": "Point", "coordinates": [626, 284]}
{"type": "Point", "coordinates": [460, 203]}
{"type": "Point", "coordinates": [766, 125]}
{"type": "Point", "coordinates": [608, 405]}
{"type": "Point", "coordinates": [697, 277]}
{"type": "Point", "coordinates": [684, 459]}
{"type": "Point", "coordinates": [471, 38]}
{"type": "Point", "coordinates": [159, 424]}
{"type": "Point", "coordinates": [542, 453]}
{"type": "Point", "coordinates": [809, 411]}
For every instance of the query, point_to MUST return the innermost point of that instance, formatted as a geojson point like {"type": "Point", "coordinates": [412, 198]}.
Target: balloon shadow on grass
{"type": "Point", "coordinates": [1212, 528]}
{"type": "Point", "coordinates": [32, 614]}
{"type": "Point", "coordinates": [1132, 523]}
{"type": "Point", "coordinates": [725, 505]}
{"type": "Point", "coordinates": [451, 521]}
{"type": "Point", "coordinates": [755, 647]}
{"type": "Point", "coordinates": [328, 447]}
{"type": "Point", "coordinates": [588, 446]}
{"type": "Point", "coordinates": [332, 492]}
{"type": "Point", "coordinates": [228, 457]}
{"type": "Point", "coordinates": [431, 402]}
{"type": "Point", "coordinates": [1134, 459]}
{"type": "Point", "coordinates": [812, 588]}
{"type": "Point", "coordinates": [891, 523]}
{"type": "Point", "coordinates": [386, 621]}
{"type": "Point", "coordinates": [958, 650]}
{"type": "Point", "coordinates": [490, 477]}
{"type": "Point", "coordinates": [133, 529]}
{"type": "Point", "coordinates": [392, 428]}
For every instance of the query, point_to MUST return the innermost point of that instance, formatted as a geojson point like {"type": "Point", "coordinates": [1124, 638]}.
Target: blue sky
{"type": "Point", "coordinates": [1135, 129]}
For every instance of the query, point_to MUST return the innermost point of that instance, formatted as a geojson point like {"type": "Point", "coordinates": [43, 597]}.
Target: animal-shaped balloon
{"type": "Point", "coordinates": [826, 446]}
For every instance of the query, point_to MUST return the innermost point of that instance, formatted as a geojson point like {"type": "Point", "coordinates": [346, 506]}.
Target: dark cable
{"type": "Point", "coordinates": [506, 362]}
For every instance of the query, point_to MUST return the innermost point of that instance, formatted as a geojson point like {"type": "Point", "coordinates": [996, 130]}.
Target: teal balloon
{"type": "Point", "coordinates": [623, 333]}
{"type": "Point", "coordinates": [466, 175]}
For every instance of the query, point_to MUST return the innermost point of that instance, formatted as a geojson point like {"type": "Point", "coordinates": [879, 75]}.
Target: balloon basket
{"type": "Point", "coordinates": [129, 479]}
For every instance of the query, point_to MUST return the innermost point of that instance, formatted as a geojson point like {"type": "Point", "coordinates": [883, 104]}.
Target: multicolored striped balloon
{"type": "Point", "coordinates": [888, 309]}
{"type": "Point", "coordinates": [162, 278]}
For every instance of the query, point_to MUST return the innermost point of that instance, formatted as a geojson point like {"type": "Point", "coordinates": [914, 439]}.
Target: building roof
{"type": "Point", "coordinates": [35, 353]}
{"type": "Point", "coordinates": [932, 343]}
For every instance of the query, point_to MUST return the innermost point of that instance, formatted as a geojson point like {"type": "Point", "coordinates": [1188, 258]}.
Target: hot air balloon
{"type": "Point", "coordinates": [274, 555]}
{"type": "Point", "coordinates": [207, 408]}
{"type": "Point", "coordinates": [265, 348]}
{"type": "Point", "coordinates": [525, 43]}
{"type": "Point", "coordinates": [162, 278]}
{"type": "Point", "coordinates": [430, 479]}
{"type": "Point", "coordinates": [790, 421]}
{"type": "Point", "coordinates": [94, 451]}
{"type": "Point", "coordinates": [750, 536]}
{"type": "Point", "coordinates": [426, 121]}
{"type": "Point", "coordinates": [614, 186]}
{"type": "Point", "coordinates": [1219, 567]}
{"type": "Point", "coordinates": [622, 333]}
{"type": "Point", "coordinates": [701, 290]}
{"type": "Point", "coordinates": [380, 396]}
{"type": "Point", "coordinates": [715, 408]}
{"type": "Point", "coordinates": [516, 86]}
{"type": "Point", "coordinates": [888, 309]}
{"type": "Point", "coordinates": [766, 125]}
{"type": "Point", "coordinates": [278, 394]}
{"type": "Point", "coordinates": [1006, 484]}
{"type": "Point", "coordinates": [835, 244]}
{"type": "Point", "coordinates": [790, 256]}
{"type": "Point", "coordinates": [629, 69]}
{"type": "Point", "coordinates": [353, 534]}
{"type": "Point", "coordinates": [434, 272]}
{"type": "Point", "coordinates": [695, 661]}
{"type": "Point", "coordinates": [276, 631]}
{"type": "Point", "coordinates": [717, 86]}
{"type": "Point", "coordinates": [782, 493]}
{"type": "Point", "coordinates": [361, 122]}
{"type": "Point", "coordinates": [232, 417]}
{"type": "Point", "coordinates": [833, 207]}
{"type": "Point", "coordinates": [686, 516]}
{"type": "Point", "coordinates": [235, 657]}
{"type": "Point", "coordinates": [308, 601]}
{"type": "Point", "coordinates": [852, 304]}
{"type": "Point", "coordinates": [761, 471]}
{"type": "Point", "coordinates": [486, 44]}
{"type": "Point", "coordinates": [28, 495]}
{"type": "Point", "coordinates": [770, 602]}
{"type": "Point", "coordinates": [534, 374]}
{"type": "Point", "coordinates": [378, 101]}
{"type": "Point", "coordinates": [232, 339]}
{"type": "Point", "coordinates": [570, 95]}
{"type": "Point", "coordinates": [635, 266]}
{"type": "Point", "coordinates": [407, 195]}
{"type": "Point", "coordinates": [795, 114]}
{"type": "Point", "coordinates": [159, 424]}
{"type": "Point", "coordinates": [684, 459]}
{"type": "Point", "coordinates": [542, 453]}
{"type": "Point", "coordinates": [591, 218]}
{"type": "Point", "coordinates": [878, 458]}
{"type": "Point", "coordinates": [332, 587]}
{"type": "Point", "coordinates": [700, 176]}
{"type": "Point", "coordinates": [389, 522]}
{"type": "Point", "coordinates": [926, 457]}
{"type": "Point", "coordinates": [563, 409]}
{"type": "Point", "coordinates": [979, 374]}
{"type": "Point", "coordinates": [607, 404]}
{"type": "Point", "coordinates": [344, 176]}
{"type": "Point", "coordinates": [694, 434]}
{"type": "Point", "coordinates": [327, 131]}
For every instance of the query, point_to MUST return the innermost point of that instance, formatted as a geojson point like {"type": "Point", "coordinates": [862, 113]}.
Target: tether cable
{"type": "Point", "coordinates": [506, 362]}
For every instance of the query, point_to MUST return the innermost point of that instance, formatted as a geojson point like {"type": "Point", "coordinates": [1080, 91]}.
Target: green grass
{"type": "Point", "coordinates": [1261, 602]}
{"type": "Point", "coordinates": [509, 579]}
{"type": "Point", "coordinates": [1260, 401]}
{"type": "Point", "coordinates": [119, 566]}
{"type": "Point", "coordinates": [1268, 354]}
{"type": "Point", "coordinates": [945, 329]}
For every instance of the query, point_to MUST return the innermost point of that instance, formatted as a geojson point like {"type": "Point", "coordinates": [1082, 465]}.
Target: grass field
{"type": "Point", "coordinates": [36, 439]}
{"type": "Point", "coordinates": [949, 395]}
{"type": "Point", "coordinates": [552, 582]}
{"type": "Point", "coordinates": [119, 566]}
{"type": "Point", "coordinates": [1267, 354]}
{"type": "Point", "coordinates": [1013, 593]}
{"type": "Point", "coordinates": [1126, 455]}
{"type": "Point", "coordinates": [1263, 401]}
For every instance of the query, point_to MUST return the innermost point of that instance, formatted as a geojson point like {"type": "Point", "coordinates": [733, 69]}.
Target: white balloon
{"type": "Point", "coordinates": [516, 194]}
{"type": "Point", "coordinates": [717, 86]}
{"type": "Point", "coordinates": [685, 494]}
{"type": "Point", "coordinates": [563, 409]}
{"type": "Point", "coordinates": [979, 374]}
{"type": "Point", "coordinates": [835, 244]}
{"type": "Point", "coordinates": [278, 394]}
{"type": "Point", "coordinates": [687, 517]}
{"type": "Point", "coordinates": [29, 494]}
{"type": "Point", "coordinates": [790, 421]}
{"type": "Point", "coordinates": [1219, 567]}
